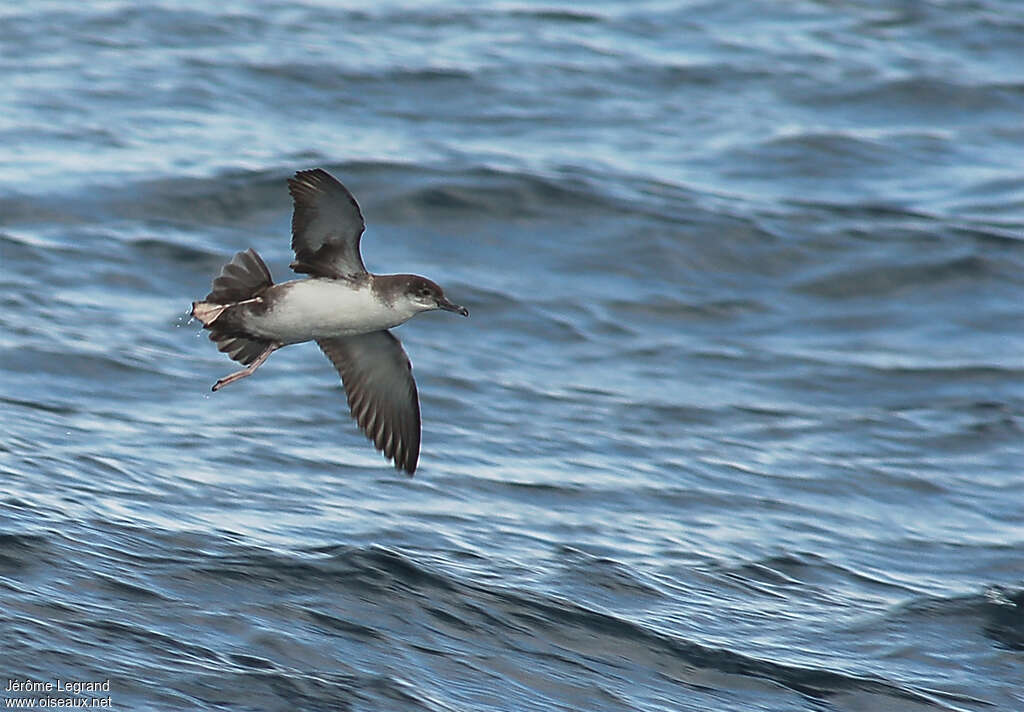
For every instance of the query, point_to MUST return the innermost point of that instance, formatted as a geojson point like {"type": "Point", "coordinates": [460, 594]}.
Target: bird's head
{"type": "Point", "coordinates": [427, 296]}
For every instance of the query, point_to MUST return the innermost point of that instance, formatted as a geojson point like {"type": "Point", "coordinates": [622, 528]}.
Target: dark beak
{"type": "Point", "coordinates": [443, 303]}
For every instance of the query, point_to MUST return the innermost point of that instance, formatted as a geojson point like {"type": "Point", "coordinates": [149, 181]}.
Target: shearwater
{"type": "Point", "coordinates": [345, 309]}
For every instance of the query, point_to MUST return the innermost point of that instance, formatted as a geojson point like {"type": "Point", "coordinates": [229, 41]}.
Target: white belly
{"type": "Point", "coordinates": [321, 308]}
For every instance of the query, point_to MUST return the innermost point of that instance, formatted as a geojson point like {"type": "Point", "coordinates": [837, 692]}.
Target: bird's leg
{"type": "Point", "coordinates": [248, 370]}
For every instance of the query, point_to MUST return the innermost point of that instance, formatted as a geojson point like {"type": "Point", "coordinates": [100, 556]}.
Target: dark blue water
{"type": "Point", "coordinates": [736, 423]}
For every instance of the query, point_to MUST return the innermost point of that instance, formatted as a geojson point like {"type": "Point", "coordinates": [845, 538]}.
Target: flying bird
{"type": "Point", "coordinates": [344, 308]}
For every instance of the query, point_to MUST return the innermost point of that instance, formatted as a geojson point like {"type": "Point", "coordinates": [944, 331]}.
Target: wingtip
{"type": "Point", "coordinates": [411, 460]}
{"type": "Point", "coordinates": [308, 178]}
{"type": "Point", "coordinates": [403, 457]}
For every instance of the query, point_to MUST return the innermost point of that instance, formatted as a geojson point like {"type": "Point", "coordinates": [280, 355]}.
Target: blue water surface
{"type": "Point", "coordinates": [736, 422]}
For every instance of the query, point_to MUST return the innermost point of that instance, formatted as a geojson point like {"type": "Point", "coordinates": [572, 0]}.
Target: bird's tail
{"type": "Point", "coordinates": [240, 280]}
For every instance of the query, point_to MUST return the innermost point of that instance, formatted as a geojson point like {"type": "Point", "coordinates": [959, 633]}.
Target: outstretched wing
{"type": "Point", "coordinates": [326, 226]}
{"type": "Point", "coordinates": [381, 392]}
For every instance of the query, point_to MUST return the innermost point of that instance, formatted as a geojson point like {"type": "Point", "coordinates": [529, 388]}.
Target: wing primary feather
{"type": "Point", "coordinates": [380, 391]}
{"type": "Point", "coordinates": [327, 225]}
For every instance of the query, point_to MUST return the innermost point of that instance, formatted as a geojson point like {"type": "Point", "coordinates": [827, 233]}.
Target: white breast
{"type": "Point", "coordinates": [321, 308]}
